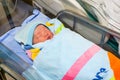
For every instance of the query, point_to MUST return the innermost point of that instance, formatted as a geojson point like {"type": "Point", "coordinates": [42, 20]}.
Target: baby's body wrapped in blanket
{"type": "Point", "coordinates": [66, 56]}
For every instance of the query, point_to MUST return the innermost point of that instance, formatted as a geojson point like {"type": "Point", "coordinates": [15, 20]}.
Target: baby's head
{"type": "Point", "coordinates": [41, 34]}
{"type": "Point", "coordinates": [44, 32]}
{"type": "Point", "coordinates": [36, 32]}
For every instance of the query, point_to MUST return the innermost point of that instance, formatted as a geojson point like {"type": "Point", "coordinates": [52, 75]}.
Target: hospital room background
{"type": "Point", "coordinates": [85, 42]}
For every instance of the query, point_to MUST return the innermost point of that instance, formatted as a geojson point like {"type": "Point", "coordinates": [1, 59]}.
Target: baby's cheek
{"type": "Point", "coordinates": [35, 40]}
{"type": "Point", "coordinates": [50, 36]}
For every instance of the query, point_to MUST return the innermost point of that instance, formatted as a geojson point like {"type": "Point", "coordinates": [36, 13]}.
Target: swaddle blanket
{"type": "Point", "coordinates": [67, 56]}
{"type": "Point", "coordinates": [30, 29]}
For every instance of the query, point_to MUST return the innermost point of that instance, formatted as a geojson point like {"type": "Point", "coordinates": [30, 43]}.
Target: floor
{"type": "Point", "coordinates": [22, 11]}
{"type": "Point", "coordinates": [8, 74]}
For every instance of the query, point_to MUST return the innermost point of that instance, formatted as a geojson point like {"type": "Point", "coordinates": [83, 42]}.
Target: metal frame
{"type": "Point", "coordinates": [88, 21]}
{"type": "Point", "coordinates": [8, 14]}
{"type": "Point", "coordinates": [6, 70]}
{"type": "Point", "coordinates": [91, 25]}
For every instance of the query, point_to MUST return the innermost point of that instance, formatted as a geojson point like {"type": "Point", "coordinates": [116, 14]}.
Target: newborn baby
{"type": "Point", "coordinates": [41, 34]}
{"type": "Point", "coordinates": [37, 35]}
{"type": "Point", "coordinates": [52, 44]}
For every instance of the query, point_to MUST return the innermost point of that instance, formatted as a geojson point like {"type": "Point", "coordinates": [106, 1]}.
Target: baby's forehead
{"type": "Point", "coordinates": [41, 26]}
{"type": "Point", "coordinates": [41, 29]}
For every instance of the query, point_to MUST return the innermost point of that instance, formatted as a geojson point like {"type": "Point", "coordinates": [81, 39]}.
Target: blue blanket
{"type": "Point", "coordinates": [68, 56]}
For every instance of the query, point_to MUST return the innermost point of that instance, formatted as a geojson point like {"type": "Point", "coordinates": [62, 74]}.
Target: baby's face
{"type": "Point", "coordinates": [41, 34]}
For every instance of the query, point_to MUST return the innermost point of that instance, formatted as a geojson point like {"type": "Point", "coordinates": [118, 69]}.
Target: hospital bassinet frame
{"type": "Point", "coordinates": [89, 29]}
{"type": "Point", "coordinates": [15, 63]}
